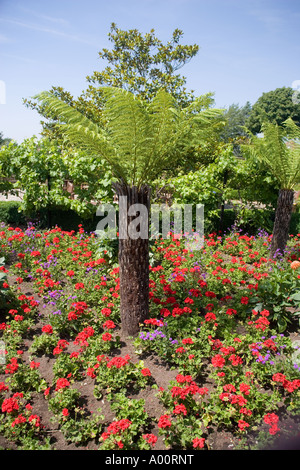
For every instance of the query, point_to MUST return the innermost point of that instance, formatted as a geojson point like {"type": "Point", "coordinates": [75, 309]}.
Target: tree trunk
{"type": "Point", "coordinates": [133, 257]}
{"type": "Point", "coordinates": [282, 221]}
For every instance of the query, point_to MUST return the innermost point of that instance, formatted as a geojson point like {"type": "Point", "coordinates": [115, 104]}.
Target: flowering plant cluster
{"type": "Point", "coordinates": [219, 316]}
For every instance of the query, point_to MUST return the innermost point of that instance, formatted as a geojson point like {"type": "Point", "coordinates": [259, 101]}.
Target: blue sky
{"type": "Point", "coordinates": [246, 47]}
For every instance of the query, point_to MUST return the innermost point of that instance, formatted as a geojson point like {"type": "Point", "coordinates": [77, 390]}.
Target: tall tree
{"type": "Point", "coordinates": [138, 140]}
{"type": "Point", "coordinates": [139, 63]}
{"type": "Point", "coordinates": [275, 106]}
{"type": "Point", "coordinates": [279, 149]}
{"type": "Point", "coordinates": [142, 64]}
{"type": "Point", "coordinates": [235, 120]}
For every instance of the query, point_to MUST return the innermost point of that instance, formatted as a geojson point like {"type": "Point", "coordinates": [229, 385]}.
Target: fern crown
{"type": "Point", "coordinates": [279, 149]}
{"type": "Point", "coordinates": [138, 140]}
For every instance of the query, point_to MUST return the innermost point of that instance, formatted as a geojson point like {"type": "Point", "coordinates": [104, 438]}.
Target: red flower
{"type": "Point", "coordinates": [274, 429]}
{"type": "Point", "coordinates": [146, 372]}
{"type": "Point", "coordinates": [3, 387]}
{"type": "Point", "coordinates": [79, 285]}
{"type": "Point", "coordinates": [271, 418]}
{"type": "Point", "coordinates": [106, 336]}
{"type": "Point", "coordinates": [244, 388]}
{"type": "Point", "coordinates": [242, 424]}
{"type": "Point", "coordinates": [109, 324]}
{"type": "Point", "coordinates": [187, 341]}
{"type": "Point", "coordinates": [72, 316]}
{"type": "Point", "coordinates": [180, 409]}
{"type": "Point", "coordinates": [34, 365]}
{"type": "Point", "coordinates": [61, 383]}
{"type": "Point", "coordinates": [150, 438]}
{"type": "Point", "coordinates": [231, 311]}
{"type": "Point", "coordinates": [164, 422]}
{"type": "Point", "coordinates": [210, 294]}
{"type": "Point", "coordinates": [12, 367]}
{"type": "Point", "coordinates": [218, 361]}
{"type": "Point", "coordinates": [244, 300]}
{"type": "Point", "coordinates": [36, 420]}
{"type": "Point", "coordinates": [183, 378]}
{"type": "Point", "coordinates": [210, 316]}
{"type": "Point", "coordinates": [116, 427]}
{"type": "Point", "coordinates": [106, 312]}
{"type": "Point", "coordinates": [118, 362]}
{"type": "Point", "coordinates": [198, 442]}
{"type": "Point", "coordinates": [35, 254]}
{"type": "Point", "coordinates": [47, 329]}
{"type": "Point", "coordinates": [9, 405]}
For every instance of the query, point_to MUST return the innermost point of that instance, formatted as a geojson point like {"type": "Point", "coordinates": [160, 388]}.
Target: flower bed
{"type": "Point", "coordinates": [223, 326]}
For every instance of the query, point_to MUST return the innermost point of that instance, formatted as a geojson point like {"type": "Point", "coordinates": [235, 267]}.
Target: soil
{"type": "Point", "coordinates": [162, 375]}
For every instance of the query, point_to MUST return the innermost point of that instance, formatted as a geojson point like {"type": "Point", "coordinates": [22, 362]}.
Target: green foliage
{"type": "Point", "coordinates": [27, 379]}
{"type": "Point", "coordinates": [139, 63]}
{"type": "Point", "coordinates": [275, 106]}
{"type": "Point", "coordinates": [10, 213]}
{"type": "Point", "coordinates": [138, 140]}
{"type": "Point", "coordinates": [80, 428]}
{"type": "Point", "coordinates": [279, 150]}
{"type": "Point", "coordinates": [64, 398]}
{"type": "Point", "coordinates": [142, 64]}
{"type": "Point", "coordinates": [241, 182]}
{"type": "Point", "coordinates": [295, 222]}
{"type": "Point", "coordinates": [235, 118]}
{"type": "Point", "coordinates": [40, 168]}
{"type": "Point", "coordinates": [4, 140]}
{"type": "Point", "coordinates": [279, 293]}
{"type": "Point", "coordinates": [44, 344]}
{"type": "Point", "coordinates": [132, 409]}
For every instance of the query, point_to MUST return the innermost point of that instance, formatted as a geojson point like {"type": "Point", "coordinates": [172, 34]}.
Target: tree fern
{"type": "Point", "coordinates": [138, 140]}
{"type": "Point", "coordinates": [279, 149]}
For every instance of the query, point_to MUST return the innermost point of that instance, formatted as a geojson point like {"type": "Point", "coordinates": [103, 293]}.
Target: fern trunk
{"type": "Point", "coordinates": [133, 262]}
{"type": "Point", "coordinates": [282, 221]}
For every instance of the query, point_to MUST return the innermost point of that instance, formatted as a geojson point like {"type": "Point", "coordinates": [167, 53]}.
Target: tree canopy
{"type": "Point", "coordinates": [139, 63]}
{"type": "Point", "coordinates": [274, 106]}
{"type": "Point", "coordinates": [142, 64]}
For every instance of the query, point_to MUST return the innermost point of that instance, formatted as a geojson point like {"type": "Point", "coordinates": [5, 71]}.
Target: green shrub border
{"type": "Point", "coordinates": [69, 220]}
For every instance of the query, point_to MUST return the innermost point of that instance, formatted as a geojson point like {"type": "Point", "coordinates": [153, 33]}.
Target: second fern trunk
{"type": "Point", "coordinates": [282, 221]}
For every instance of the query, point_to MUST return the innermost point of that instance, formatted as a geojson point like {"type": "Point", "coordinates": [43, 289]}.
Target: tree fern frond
{"type": "Point", "coordinates": [273, 149]}
{"type": "Point", "coordinates": [82, 132]}
{"type": "Point", "coordinates": [128, 126]}
{"type": "Point", "coordinates": [136, 138]}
